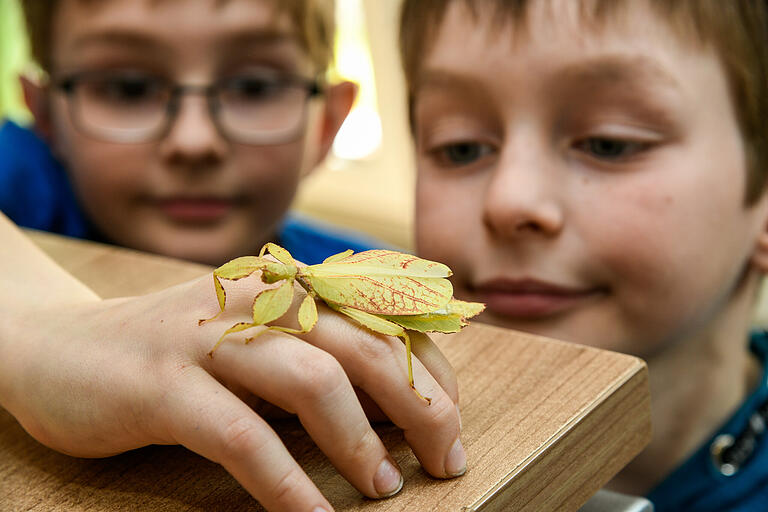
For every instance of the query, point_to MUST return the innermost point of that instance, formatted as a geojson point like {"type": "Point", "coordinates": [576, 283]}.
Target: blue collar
{"type": "Point", "coordinates": [730, 470]}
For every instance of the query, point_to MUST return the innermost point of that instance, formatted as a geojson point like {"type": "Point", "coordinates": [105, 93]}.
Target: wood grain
{"type": "Point", "coordinates": [545, 425]}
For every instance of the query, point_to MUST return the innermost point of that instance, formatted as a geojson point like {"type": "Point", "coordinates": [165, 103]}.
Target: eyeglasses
{"type": "Point", "coordinates": [256, 108]}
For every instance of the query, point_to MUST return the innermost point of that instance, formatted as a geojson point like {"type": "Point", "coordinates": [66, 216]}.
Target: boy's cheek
{"type": "Point", "coordinates": [432, 219]}
{"type": "Point", "coordinates": [108, 179]}
{"type": "Point", "coordinates": [442, 236]}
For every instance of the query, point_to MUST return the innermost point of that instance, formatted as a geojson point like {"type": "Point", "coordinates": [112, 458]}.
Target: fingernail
{"type": "Point", "coordinates": [456, 462]}
{"type": "Point", "coordinates": [320, 509]}
{"type": "Point", "coordinates": [388, 480]}
{"type": "Point", "coordinates": [459, 413]}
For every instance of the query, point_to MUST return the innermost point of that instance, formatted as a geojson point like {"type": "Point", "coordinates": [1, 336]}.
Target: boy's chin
{"type": "Point", "coordinates": [198, 253]}
{"type": "Point", "coordinates": [201, 255]}
{"type": "Point", "coordinates": [561, 327]}
{"type": "Point", "coordinates": [210, 247]}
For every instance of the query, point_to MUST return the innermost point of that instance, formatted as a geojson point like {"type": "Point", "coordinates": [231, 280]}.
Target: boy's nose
{"type": "Point", "coordinates": [521, 199]}
{"type": "Point", "coordinates": [193, 137]}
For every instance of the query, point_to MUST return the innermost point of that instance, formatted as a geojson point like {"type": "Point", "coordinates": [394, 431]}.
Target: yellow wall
{"type": "Point", "coordinates": [13, 58]}
{"type": "Point", "coordinates": [375, 194]}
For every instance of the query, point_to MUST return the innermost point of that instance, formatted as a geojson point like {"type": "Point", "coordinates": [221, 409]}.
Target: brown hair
{"type": "Point", "coordinates": [314, 20]}
{"type": "Point", "coordinates": [736, 29]}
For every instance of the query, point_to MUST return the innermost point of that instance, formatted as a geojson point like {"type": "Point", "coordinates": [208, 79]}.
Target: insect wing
{"type": "Point", "coordinates": [465, 309]}
{"type": "Point", "coordinates": [271, 304]}
{"type": "Point", "coordinates": [429, 322]}
{"type": "Point", "coordinates": [382, 282]}
{"type": "Point", "coordinates": [372, 322]}
{"type": "Point", "coordinates": [379, 262]}
{"type": "Point", "coordinates": [384, 295]}
{"type": "Point", "coordinates": [449, 319]}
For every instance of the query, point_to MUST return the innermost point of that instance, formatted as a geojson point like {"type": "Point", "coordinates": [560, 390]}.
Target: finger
{"type": "Point", "coordinates": [378, 365]}
{"type": "Point", "coordinates": [436, 363]}
{"type": "Point", "coordinates": [301, 378]}
{"type": "Point", "coordinates": [206, 418]}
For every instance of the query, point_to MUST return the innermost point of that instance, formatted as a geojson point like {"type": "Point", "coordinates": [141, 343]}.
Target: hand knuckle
{"type": "Point", "coordinates": [374, 348]}
{"type": "Point", "coordinates": [361, 447]}
{"type": "Point", "coordinates": [241, 438]}
{"type": "Point", "coordinates": [442, 412]}
{"type": "Point", "coordinates": [320, 374]}
{"type": "Point", "coordinates": [281, 494]}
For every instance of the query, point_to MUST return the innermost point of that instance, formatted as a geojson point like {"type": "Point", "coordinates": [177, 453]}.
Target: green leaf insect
{"type": "Point", "coordinates": [385, 291]}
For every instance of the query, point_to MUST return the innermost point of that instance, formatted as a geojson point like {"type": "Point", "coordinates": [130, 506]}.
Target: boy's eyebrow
{"type": "Point", "coordinates": [618, 70]}
{"type": "Point", "coordinates": [440, 78]}
{"type": "Point", "coordinates": [138, 40]}
{"type": "Point", "coordinates": [116, 38]}
{"type": "Point", "coordinates": [264, 36]}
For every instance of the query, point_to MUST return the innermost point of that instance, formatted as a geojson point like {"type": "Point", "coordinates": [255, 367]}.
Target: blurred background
{"type": "Point", "coordinates": [366, 184]}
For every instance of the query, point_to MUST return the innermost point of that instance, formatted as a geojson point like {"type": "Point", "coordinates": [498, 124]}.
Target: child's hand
{"type": "Point", "coordinates": [103, 377]}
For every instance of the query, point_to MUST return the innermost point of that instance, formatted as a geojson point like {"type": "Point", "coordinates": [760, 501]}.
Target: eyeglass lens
{"type": "Point", "coordinates": [249, 107]}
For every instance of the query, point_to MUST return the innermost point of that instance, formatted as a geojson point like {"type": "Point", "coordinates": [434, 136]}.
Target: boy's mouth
{"type": "Point", "coordinates": [195, 210]}
{"type": "Point", "coordinates": [531, 299]}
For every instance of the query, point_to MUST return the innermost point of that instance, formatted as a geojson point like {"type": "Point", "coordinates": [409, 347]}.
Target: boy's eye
{"type": "Point", "coordinates": [609, 149]}
{"type": "Point", "coordinates": [462, 153]}
{"type": "Point", "coordinates": [253, 88]}
{"type": "Point", "coordinates": [125, 89]}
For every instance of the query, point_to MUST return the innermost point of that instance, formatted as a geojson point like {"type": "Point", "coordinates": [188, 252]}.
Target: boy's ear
{"type": "Point", "coordinates": [36, 99]}
{"type": "Point", "coordinates": [339, 99]}
{"type": "Point", "coordinates": [760, 255]}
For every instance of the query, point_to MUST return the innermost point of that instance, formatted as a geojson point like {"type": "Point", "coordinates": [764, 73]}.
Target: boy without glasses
{"type": "Point", "coordinates": [604, 165]}
{"type": "Point", "coordinates": [184, 128]}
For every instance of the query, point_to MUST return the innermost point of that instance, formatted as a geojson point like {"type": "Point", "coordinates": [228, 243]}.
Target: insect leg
{"type": "Point", "coordinates": [408, 352]}
{"type": "Point", "coordinates": [241, 326]}
{"type": "Point", "coordinates": [382, 326]}
{"type": "Point", "coordinates": [232, 271]}
{"type": "Point", "coordinates": [221, 295]}
{"type": "Point", "coordinates": [307, 318]}
{"type": "Point", "coordinates": [280, 254]}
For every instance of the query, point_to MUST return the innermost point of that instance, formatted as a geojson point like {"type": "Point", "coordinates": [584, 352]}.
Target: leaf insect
{"type": "Point", "coordinates": [385, 291]}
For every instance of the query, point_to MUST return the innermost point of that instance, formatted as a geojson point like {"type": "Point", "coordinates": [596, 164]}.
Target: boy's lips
{"type": "Point", "coordinates": [195, 210]}
{"type": "Point", "coordinates": [530, 298]}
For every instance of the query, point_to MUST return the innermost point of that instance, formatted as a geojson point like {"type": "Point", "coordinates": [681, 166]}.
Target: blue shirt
{"type": "Point", "coordinates": [35, 192]}
{"type": "Point", "coordinates": [34, 189]}
{"type": "Point", "coordinates": [698, 485]}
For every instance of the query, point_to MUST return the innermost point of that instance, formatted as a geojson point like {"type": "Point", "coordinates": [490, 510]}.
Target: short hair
{"type": "Point", "coordinates": [313, 19]}
{"type": "Point", "coordinates": [736, 29]}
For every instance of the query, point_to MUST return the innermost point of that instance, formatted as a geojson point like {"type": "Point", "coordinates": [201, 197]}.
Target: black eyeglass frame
{"type": "Point", "coordinates": [68, 85]}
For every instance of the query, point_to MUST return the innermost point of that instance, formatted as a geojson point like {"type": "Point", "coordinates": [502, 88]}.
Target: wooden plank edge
{"type": "Point", "coordinates": [529, 489]}
{"type": "Point", "coordinates": [50, 242]}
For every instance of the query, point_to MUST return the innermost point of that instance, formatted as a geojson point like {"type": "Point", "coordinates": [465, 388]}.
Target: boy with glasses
{"type": "Point", "coordinates": [188, 142]}
{"type": "Point", "coordinates": [185, 128]}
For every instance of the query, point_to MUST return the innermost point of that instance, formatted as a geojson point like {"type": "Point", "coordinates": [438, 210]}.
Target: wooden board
{"type": "Point", "coordinates": [545, 425]}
